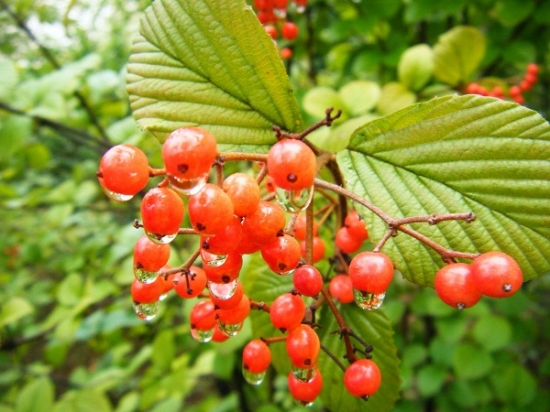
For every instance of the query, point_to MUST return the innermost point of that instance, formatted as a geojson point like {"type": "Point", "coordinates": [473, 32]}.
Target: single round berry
{"type": "Point", "coordinates": [289, 30]}
{"type": "Point", "coordinates": [150, 256]}
{"type": "Point", "coordinates": [244, 192]}
{"type": "Point", "coordinates": [227, 272]}
{"type": "Point", "coordinates": [305, 392]}
{"type": "Point", "coordinates": [496, 274]}
{"type": "Point", "coordinates": [362, 378]}
{"type": "Point", "coordinates": [263, 225]}
{"type": "Point", "coordinates": [455, 286]}
{"type": "Point", "coordinates": [162, 211]}
{"type": "Point", "coordinates": [124, 169]}
{"type": "Point", "coordinates": [292, 164]}
{"type": "Point", "coordinates": [307, 280]}
{"type": "Point", "coordinates": [282, 254]}
{"type": "Point", "coordinates": [340, 288]}
{"type": "Point", "coordinates": [210, 210]}
{"type": "Point", "coordinates": [271, 30]}
{"type": "Point", "coordinates": [356, 225]}
{"type": "Point", "coordinates": [230, 302]}
{"type": "Point", "coordinates": [346, 242]}
{"type": "Point", "coordinates": [226, 240]}
{"type": "Point", "coordinates": [256, 356]}
{"type": "Point", "coordinates": [236, 314]}
{"type": "Point", "coordinates": [190, 285]}
{"type": "Point", "coordinates": [203, 315]}
{"type": "Point", "coordinates": [300, 227]}
{"type": "Point", "coordinates": [286, 53]}
{"type": "Point", "coordinates": [287, 311]}
{"type": "Point", "coordinates": [303, 346]}
{"type": "Point", "coordinates": [189, 153]}
{"type": "Point", "coordinates": [371, 272]}
{"type": "Point", "coordinates": [147, 292]}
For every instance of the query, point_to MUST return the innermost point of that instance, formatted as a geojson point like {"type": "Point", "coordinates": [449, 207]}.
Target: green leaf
{"type": "Point", "coordinates": [9, 76]}
{"type": "Point", "coordinates": [319, 99]}
{"type": "Point", "coordinates": [163, 350]}
{"type": "Point", "coordinates": [359, 96]}
{"type": "Point", "coordinates": [458, 53]}
{"type": "Point", "coordinates": [14, 309]}
{"type": "Point", "coordinates": [375, 328]}
{"type": "Point", "coordinates": [85, 400]}
{"type": "Point", "coordinates": [512, 12]}
{"type": "Point", "coordinates": [36, 396]}
{"type": "Point", "coordinates": [416, 66]}
{"type": "Point", "coordinates": [470, 362]}
{"type": "Point", "coordinates": [395, 96]}
{"type": "Point", "coordinates": [457, 154]}
{"type": "Point", "coordinates": [431, 379]}
{"type": "Point", "coordinates": [211, 64]}
{"type": "Point", "coordinates": [514, 384]}
{"type": "Point", "coordinates": [492, 332]}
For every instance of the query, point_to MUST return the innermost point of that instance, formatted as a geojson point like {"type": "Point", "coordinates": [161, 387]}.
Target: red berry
{"type": "Point", "coordinates": [305, 392]}
{"type": "Point", "coordinates": [230, 302]}
{"type": "Point", "coordinates": [226, 272]}
{"type": "Point", "coordinates": [362, 378]}
{"type": "Point", "coordinates": [356, 225]}
{"type": "Point", "coordinates": [318, 248]}
{"type": "Point", "coordinates": [162, 212]}
{"type": "Point", "coordinates": [287, 311]}
{"type": "Point", "coordinates": [150, 256]}
{"type": "Point", "coordinates": [472, 88]}
{"type": "Point", "coordinates": [147, 292]}
{"type": "Point", "coordinates": [455, 286]}
{"type": "Point", "coordinates": [203, 315]}
{"type": "Point", "coordinates": [303, 346]}
{"type": "Point", "coordinates": [226, 240]}
{"type": "Point", "coordinates": [256, 356]}
{"type": "Point", "coordinates": [533, 68]}
{"type": "Point", "coordinates": [530, 78]}
{"type": "Point", "coordinates": [236, 314]}
{"type": "Point", "coordinates": [286, 53]}
{"type": "Point", "coordinates": [300, 227]}
{"type": "Point", "coordinates": [263, 225]}
{"type": "Point", "coordinates": [371, 272]}
{"type": "Point", "coordinates": [244, 192]}
{"type": "Point", "coordinates": [282, 254]}
{"type": "Point", "coordinates": [340, 288]}
{"type": "Point", "coordinates": [307, 280]}
{"type": "Point", "coordinates": [496, 274]}
{"type": "Point", "coordinates": [292, 164]}
{"type": "Point", "coordinates": [514, 91]}
{"type": "Point", "coordinates": [346, 242]}
{"type": "Point", "coordinates": [190, 285]}
{"type": "Point", "coordinates": [189, 153]}
{"type": "Point", "coordinates": [289, 30]}
{"type": "Point", "coordinates": [271, 30]}
{"type": "Point", "coordinates": [124, 169]}
{"type": "Point", "coordinates": [210, 210]}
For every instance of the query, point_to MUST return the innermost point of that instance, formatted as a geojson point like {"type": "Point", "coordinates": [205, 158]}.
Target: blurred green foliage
{"type": "Point", "coordinates": [69, 340]}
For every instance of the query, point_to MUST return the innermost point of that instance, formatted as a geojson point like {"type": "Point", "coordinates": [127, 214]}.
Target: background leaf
{"type": "Point", "coordinates": [457, 154]}
{"type": "Point", "coordinates": [416, 66]}
{"type": "Point", "coordinates": [209, 63]}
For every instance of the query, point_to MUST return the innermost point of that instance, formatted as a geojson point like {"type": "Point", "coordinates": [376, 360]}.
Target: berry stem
{"type": "Point", "coordinates": [260, 306]}
{"type": "Point", "coordinates": [274, 339]}
{"type": "Point", "coordinates": [156, 172]}
{"type": "Point", "coordinates": [184, 268]}
{"type": "Point", "coordinates": [309, 234]}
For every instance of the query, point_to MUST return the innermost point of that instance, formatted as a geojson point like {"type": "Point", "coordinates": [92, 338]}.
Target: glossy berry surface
{"type": "Point", "coordinates": [190, 285]}
{"type": "Point", "coordinates": [307, 280]}
{"type": "Point", "coordinates": [305, 392]}
{"type": "Point", "coordinates": [263, 225]}
{"type": "Point", "coordinates": [203, 315]}
{"type": "Point", "coordinates": [162, 211]}
{"type": "Point", "coordinates": [244, 192]}
{"type": "Point", "coordinates": [289, 30]}
{"type": "Point", "coordinates": [282, 254]}
{"type": "Point", "coordinates": [287, 311]}
{"type": "Point", "coordinates": [147, 292]}
{"type": "Point", "coordinates": [189, 152]}
{"type": "Point", "coordinates": [496, 274]}
{"type": "Point", "coordinates": [455, 286]}
{"type": "Point", "coordinates": [224, 241]}
{"type": "Point", "coordinates": [362, 378]}
{"type": "Point", "coordinates": [346, 242]}
{"type": "Point", "coordinates": [356, 225]}
{"type": "Point", "coordinates": [230, 302]}
{"type": "Point", "coordinates": [371, 272]}
{"type": "Point", "coordinates": [340, 288]}
{"type": "Point", "coordinates": [256, 356]}
{"type": "Point", "coordinates": [303, 346]}
{"type": "Point", "coordinates": [150, 256]}
{"type": "Point", "coordinates": [124, 169]}
{"type": "Point", "coordinates": [292, 164]}
{"type": "Point", "coordinates": [210, 210]}
{"type": "Point", "coordinates": [227, 271]}
{"type": "Point", "coordinates": [236, 314]}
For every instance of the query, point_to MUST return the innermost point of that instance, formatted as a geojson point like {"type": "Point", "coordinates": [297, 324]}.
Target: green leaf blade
{"type": "Point", "coordinates": [451, 155]}
{"type": "Point", "coordinates": [211, 64]}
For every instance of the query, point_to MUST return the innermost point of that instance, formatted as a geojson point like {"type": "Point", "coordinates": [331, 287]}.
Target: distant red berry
{"type": "Point", "coordinates": [289, 30]}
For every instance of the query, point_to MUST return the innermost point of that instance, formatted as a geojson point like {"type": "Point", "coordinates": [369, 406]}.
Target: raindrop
{"type": "Point", "coordinates": [223, 291]}
{"type": "Point", "coordinates": [202, 336]}
{"type": "Point", "coordinates": [253, 378]}
{"type": "Point", "coordinates": [187, 187]}
{"type": "Point", "coordinates": [294, 200]}
{"type": "Point", "coordinates": [368, 301]}
{"type": "Point", "coordinates": [212, 260]}
{"type": "Point", "coordinates": [160, 239]}
{"type": "Point", "coordinates": [146, 311]}
{"type": "Point", "coordinates": [230, 329]}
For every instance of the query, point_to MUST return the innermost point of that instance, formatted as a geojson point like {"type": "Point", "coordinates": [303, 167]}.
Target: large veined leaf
{"type": "Point", "coordinates": [457, 154]}
{"type": "Point", "coordinates": [209, 63]}
{"type": "Point", "coordinates": [374, 327]}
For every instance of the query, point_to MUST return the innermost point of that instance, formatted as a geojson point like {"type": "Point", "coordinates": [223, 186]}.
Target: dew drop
{"type": "Point", "coordinates": [144, 276]}
{"type": "Point", "coordinates": [294, 200]}
{"type": "Point", "coordinates": [368, 301]}
{"type": "Point", "coordinates": [117, 197]}
{"type": "Point", "coordinates": [211, 259]}
{"type": "Point", "coordinates": [146, 311]}
{"type": "Point", "coordinates": [202, 336]}
{"type": "Point", "coordinates": [304, 375]}
{"type": "Point", "coordinates": [253, 378]}
{"type": "Point", "coordinates": [230, 329]}
{"type": "Point", "coordinates": [160, 239]}
{"type": "Point", "coordinates": [187, 187]}
{"type": "Point", "coordinates": [223, 291]}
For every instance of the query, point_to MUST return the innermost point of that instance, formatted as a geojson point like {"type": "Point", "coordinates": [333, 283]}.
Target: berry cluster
{"type": "Point", "coordinates": [273, 15]}
{"type": "Point", "coordinates": [505, 90]}
{"type": "Point", "coordinates": [232, 216]}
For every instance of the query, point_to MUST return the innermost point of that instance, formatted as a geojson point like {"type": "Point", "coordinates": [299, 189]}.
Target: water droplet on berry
{"type": "Point", "coordinates": [144, 276]}
{"type": "Point", "coordinates": [146, 311]}
{"type": "Point", "coordinates": [294, 200]}
{"type": "Point", "coordinates": [368, 301]}
{"type": "Point", "coordinates": [304, 375]}
{"type": "Point", "coordinates": [212, 260]}
{"type": "Point", "coordinates": [230, 329]}
{"type": "Point", "coordinates": [202, 336]}
{"type": "Point", "coordinates": [223, 291]}
{"type": "Point", "coordinates": [187, 187]}
{"type": "Point", "coordinates": [160, 239]}
{"type": "Point", "coordinates": [280, 13]}
{"type": "Point", "coordinates": [253, 378]}
{"type": "Point", "coordinates": [117, 197]}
